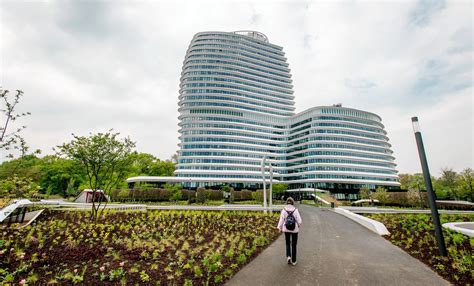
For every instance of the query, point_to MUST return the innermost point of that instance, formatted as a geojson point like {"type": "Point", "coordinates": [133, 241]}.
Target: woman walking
{"type": "Point", "coordinates": [290, 222]}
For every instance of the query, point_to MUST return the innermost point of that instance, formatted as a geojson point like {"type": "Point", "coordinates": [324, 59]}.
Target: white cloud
{"type": "Point", "coordinates": [88, 66]}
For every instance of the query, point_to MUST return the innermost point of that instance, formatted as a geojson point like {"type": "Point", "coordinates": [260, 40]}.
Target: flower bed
{"type": "Point", "coordinates": [167, 247]}
{"type": "Point", "coordinates": [414, 233]}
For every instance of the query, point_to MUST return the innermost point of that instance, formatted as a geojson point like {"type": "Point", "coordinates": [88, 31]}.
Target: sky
{"type": "Point", "coordinates": [89, 66]}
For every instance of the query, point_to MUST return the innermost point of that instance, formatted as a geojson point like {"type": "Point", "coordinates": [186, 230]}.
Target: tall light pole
{"type": "Point", "coordinates": [271, 184]}
{"type": "Point", "coordinates": [264, 183]}
{"type": "Point", "coordinates": [429, 187]}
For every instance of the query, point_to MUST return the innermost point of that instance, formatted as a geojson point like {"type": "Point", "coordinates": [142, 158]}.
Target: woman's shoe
{"type": "Point", "coordinates": [288, 259]}
{"type": "Point", "coordinates": [293, 263]}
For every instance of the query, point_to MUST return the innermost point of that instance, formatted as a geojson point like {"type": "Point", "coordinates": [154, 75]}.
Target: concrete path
{"type": "Point", "coordinates": [334, 250]}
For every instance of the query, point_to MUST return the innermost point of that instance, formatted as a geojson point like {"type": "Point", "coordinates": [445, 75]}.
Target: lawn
{"type": "Point", "coordinates": [414, 233]}
{"type": "Point", "coordinates": [152, 247]}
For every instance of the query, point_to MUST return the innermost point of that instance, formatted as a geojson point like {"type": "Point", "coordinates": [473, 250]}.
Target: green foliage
{"type": "Point", "coordinates": [415, 234]}
{"type": "Point", "coordinates": [381, 195]}
{"type": "Point", "coordinates": [201, 195]}
{"type": "Point", "coordinates": [104, 157]}
{"type": "Point", "coordinates": [144, 276]}
{"type": "Point", "coordinates": [231, 196]}
{"type": "Point", "coordinates": [143, 164]}
{"type": "Point", "coordinates": [189, 195]}
{"type": "Point", "coordinates": [226, 188]}
{"type": "Point", "coordinates": [17, 187]}
{"type": "Point", "coordinates": [175, 191]}
{"type": "Point", "coordinates": [449, 186]}
{"type": "Point", "coordinates": [214, 195]}
{"type": "Point", "coordinates": [466, 184]}
{"type": "Point", "coordinates": [279, 189]}
{"type": "Point", "coordinates": [245, 195]}
{"type": "Point", "coordinates": [258, 195]}
{"type": "Point", "coordinates": [173, 246]}
{"type": "Point", "coordinates": [123, 194]}
{"type": "Point", "coordinates": [61, 175]}
{"type": "Point", "coordinates": [365, 193]}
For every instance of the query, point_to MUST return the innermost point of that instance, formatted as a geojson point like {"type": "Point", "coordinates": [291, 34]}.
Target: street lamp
{"type": "Point", "coordinates": [271, 184]}
{"type": "Point", "coordinates": [429, 187]}
{"type": "Point", "coordinates": [262, 167]}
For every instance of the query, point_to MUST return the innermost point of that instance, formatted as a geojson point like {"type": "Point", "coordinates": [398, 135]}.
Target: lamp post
{"type": "Point", "coordinates": [264, 183]}
{"type": "Point", "coordinates": [429, 187]}
{"type": "Point", "coordinates": [271, 184]}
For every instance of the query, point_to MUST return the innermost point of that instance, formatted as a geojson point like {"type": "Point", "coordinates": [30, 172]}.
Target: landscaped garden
{"type": "Point", "coordinates": [414, 233]}
{"type": "Point", "coordinates": [152, 247]}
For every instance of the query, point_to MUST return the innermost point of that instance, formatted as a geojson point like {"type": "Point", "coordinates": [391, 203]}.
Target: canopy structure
{"type": "Point", "coordinates": [86, 196]}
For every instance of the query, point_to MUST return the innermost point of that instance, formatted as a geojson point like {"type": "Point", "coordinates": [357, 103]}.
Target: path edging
{"type": "Point", "coordinates": [373, 225]}
{"type": "Point", "coordinates": [453, 226]}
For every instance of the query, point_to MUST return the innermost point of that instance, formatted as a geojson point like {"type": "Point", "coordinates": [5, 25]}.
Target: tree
{"type": "Point", "coordinates": [163, 168]}
{"type": "Point", "coordinates": [28, 166]}
{"type": "Point", "coordinates": [279, 189]}
{"type": "Point", "coordinates": [141, 164]}
{"type": "Point", "coordinates": [449, 183]}
{"type": "Point", "coordinates": [12, 140]}
{"type": "Point", "coordinates": [466, 184]}
{"type": "Point", "coordinates": [365, 193]}
{"type": "Point", "coordinates": [62, 176]}
{"type": "Point", "coordinates": [405, 180]}
{"type": "Point", "coordinates": [381, 195]}
{"type": "Point", "coordinates": [17, 187]}
{"type": "Point", "coordinates": [174, 158]}
{"type": "Point", "coordinates": [105, 159]}
{"type": "Point", "coordinates": [144, 164]}
{"type": "Point", "coordinates": [413, 197]}
{"type": "Point", "coordinates": [175, 191]}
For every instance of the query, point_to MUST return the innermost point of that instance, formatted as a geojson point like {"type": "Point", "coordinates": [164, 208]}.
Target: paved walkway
{"type": "Point", "coordinates": [334, 250]}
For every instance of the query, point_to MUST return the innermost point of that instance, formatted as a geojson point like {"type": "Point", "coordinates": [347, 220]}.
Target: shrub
{"type": "Point", "coordinates": [237, 195]}
{"type": "Point", "coordinates": [174, 191]}
{"type": "Point", "coordinates": [189, 195]}
{"type": "Point", "coordinates": [381, 195]}
{"type": "Point", "coordinates": [123, 194]}
{"type": "Point", "coordinates": [201, 195]}
{"type": "Point", "coordinates": [226, 188]}
{"type": "Point", "coordinates": [214, 195]}
{"type": "Point", "coordinates": [258, 195]}
{"type": "Point", "coordinates": [413, 197]}
{"type": "Point", "coordinates": [365, 193]}
{"type": "Point", "coordinates": [164, 195]}
{"type": "Point", "coordinates": [397, 198]}
{"type": "Point", "coordinates": [245, 195]}
{"type": "Point", "coordinates": [279, 190]}
{"type": "Point", "coordinates": [231, 196]}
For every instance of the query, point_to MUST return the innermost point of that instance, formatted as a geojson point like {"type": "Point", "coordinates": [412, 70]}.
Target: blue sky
{"type": "Point", "coordinates": [94, 65]}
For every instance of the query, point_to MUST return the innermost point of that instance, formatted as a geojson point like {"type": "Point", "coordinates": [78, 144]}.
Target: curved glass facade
{"type": "Point", "coordinates": [236, 106]}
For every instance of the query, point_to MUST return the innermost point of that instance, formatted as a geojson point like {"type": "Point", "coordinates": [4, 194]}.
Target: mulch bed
{"type": "Point", "coordinates": [414, 233]}
{"type": "Point", "coordinates": [148, 248]}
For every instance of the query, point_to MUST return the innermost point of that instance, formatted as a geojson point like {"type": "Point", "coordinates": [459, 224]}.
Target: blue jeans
{"type": "Point", "coordinates": [291, 238]}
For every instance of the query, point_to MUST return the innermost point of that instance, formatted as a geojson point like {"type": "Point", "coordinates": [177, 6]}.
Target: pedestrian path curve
{"type": "Point", "coordinates": [334, 250]}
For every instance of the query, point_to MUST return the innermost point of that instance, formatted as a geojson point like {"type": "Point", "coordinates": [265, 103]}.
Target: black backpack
{"type": "Point", "coordinates": [290, 222]}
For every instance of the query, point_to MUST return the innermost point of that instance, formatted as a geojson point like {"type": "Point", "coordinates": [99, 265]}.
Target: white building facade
{"type": "Point", "coordinates": [236, 106]}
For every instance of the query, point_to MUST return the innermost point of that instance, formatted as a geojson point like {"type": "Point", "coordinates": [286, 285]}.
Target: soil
{"type": "Point", "coordinates": [423, 246]}
{"type": "Point", "coordinates": [86, 248]}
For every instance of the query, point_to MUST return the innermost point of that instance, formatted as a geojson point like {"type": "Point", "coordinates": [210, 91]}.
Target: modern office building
{"type": "Point", "coordinates": [236, 107]}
